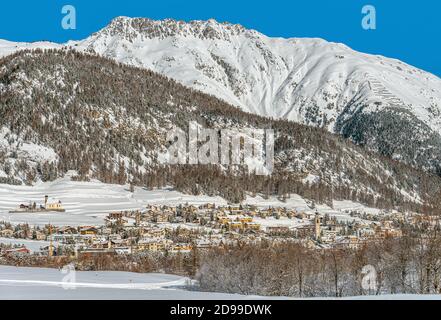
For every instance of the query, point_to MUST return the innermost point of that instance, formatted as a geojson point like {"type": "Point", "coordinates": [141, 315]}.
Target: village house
{"type": "Point", "coordinates": [277, 231]}
{"type": "Point", "coordinates": [254, 226]}
{"type": "Point", "coordinates": [88, 230]}
{"type": "Point", "coordinates": [67, 238]}
{"type": "Point", "coordinates": [38, 235]}
{"type": "Point", "coordinates": [181, 247]}
{"type": "Point", "coordinates": [7, 233]}
{"type": "Point", "coordinates": [244, 219]}
{"type": "Point", "coordinates": [223, 220]}
{"type": "Point", "coordinates": [162, 217]}
{"type": "Point", "coordinates": [67, 230]}
{"type": "Point", "coordinates": [153, 232]}
{"type": "Point", "coordinates": [307, 231]}
{"type": "Point", "coordinates": [115, 219]}
{"type": "Point", "coordinates": [208, 206]}
{"type": "Point", "coordinates": [349, 242]}
{"type": "Point", "coordinates": [235, 225]}
{"type": "Point", "coordinates": [153, 244]}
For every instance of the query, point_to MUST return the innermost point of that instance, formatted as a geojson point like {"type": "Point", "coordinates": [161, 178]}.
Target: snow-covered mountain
{"type": "Point", "coordinates": [305, 80]}
{"type": "Point", "coordinates": [383, 104]}
{"type": "Point", "coordinates": [387, 105]}
{"type": "Point", "coordinates": [311, 81]}
{"type": "Point", "coordinates": [64, 111]}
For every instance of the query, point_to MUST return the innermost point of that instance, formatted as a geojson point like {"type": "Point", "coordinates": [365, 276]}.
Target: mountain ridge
{"type": "Point", "coordinates": [305, 80]}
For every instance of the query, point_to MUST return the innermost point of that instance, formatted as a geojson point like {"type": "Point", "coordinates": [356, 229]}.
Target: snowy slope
{"type": "Point", "coordinates": [383, 104]}
{"type": "Point", "coordinates": [305, 80]}
{"type": "Point", "coordinates": [311, 81]}
{"type": "Point", "coordinates": [9, 47]}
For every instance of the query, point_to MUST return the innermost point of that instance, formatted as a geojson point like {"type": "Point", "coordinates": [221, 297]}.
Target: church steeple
{"type": "Point", "coordinates": [317, 225]}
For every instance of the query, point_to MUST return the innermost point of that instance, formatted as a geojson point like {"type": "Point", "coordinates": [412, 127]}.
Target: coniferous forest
{"type": "Point", "coordinates": [108, 121]}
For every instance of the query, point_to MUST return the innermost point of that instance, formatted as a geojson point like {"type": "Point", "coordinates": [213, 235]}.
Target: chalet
{"type": "Point", "coordinates": [244, 219]}
{"type": "Point", "coordinates": [88, 231]}
{"type": "Point", "coordinates": [305, 231]}
{"type": "Point", "coordinates": [153, 208]}
{"type": "Point", "coordinates": [181, 247]}
{"type": "Point", "coordinates": [21, 234]}
{"type": "Point", "coordinates": [153, 232]}
{"type": "Point", "coordinates": [192, 208]}
{"type": "Point", "coordinates": [67, 238]}
{"type": "Point", "coordinates": [114, 237]}
{"type": "Point", "coordinates": [67, 230]}
{"type": "Point", "coordinates": [252, 213]}
{"type": "Point", "coordinates": [115, 221]}
{"type": "Point", "coordinates": [115, 215]}
{"type": "Point", "coordinates": [278, 231]}
{"type": "Point", "coordinates": [223, 220]}
{"type": "Point", "coordinates": [349, 242]}
{"type": "Point", "coordinates": [265, 213]}
{"type": "Point", "coordinates": [38, 235]}
{"type": "Point", "coordinates": [366, 233]}
{"type": "Point", "coordinates": [328, 236]}
{"type": "Point", "coordinates": [235, 225]}
{"type": "Point", "coordinates": [7, 233]}
{"type": "Point", "coordinates": [152, 244]}
{"type": "Point", "coordinates": [252, 226]}
{"type": "Point", "coordinates": [235, 210]}
{"type": "Point", "coordinates": [168, 209]}
{"type": "Point", "coordinates": [208, 206]}
{"type": "Point", "coordinates": [161, 217]}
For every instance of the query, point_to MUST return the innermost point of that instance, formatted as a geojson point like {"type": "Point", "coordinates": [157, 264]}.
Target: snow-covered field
{"type": "Point", "coordinates": [87, 203]}
{"type": "Point", "coordinates": [47, 284]}
{"type": "Point", "coordinates": [40, 283]}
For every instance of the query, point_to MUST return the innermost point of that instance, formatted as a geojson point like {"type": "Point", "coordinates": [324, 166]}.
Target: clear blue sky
{"type": "Point", "coordinates": [408, 30]}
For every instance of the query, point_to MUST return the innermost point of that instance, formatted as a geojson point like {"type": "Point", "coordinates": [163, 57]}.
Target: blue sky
{"type": "Point", "coordinates": [406, 30]}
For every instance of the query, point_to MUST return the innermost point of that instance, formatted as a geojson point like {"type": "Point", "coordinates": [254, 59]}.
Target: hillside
{"type": "Point", "coordinates": [383, 104]}
{"type": "Point", "coordinates": [63, 110]}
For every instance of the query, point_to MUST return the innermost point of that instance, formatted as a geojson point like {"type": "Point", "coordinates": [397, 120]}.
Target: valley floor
{"type": "Point", "coordinates": [88, 203]}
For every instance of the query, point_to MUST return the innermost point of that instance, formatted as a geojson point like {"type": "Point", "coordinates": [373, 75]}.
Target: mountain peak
{"type": "Point", "coordinates": [131, 28]}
